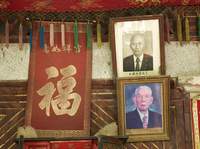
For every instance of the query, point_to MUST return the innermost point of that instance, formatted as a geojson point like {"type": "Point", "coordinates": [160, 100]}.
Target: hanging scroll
{"type": "Point", "coordinates": [179, 29]}
{"type": "Point", "coordinates": [7, 34]}
{"type": "Point", "coordinates": [59, 83]}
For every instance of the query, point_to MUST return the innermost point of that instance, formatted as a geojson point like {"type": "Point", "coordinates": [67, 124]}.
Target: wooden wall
{"type": "Point", "coordinates": [103, 112]}
{"type": "Point", "coordinates": [12, 111]}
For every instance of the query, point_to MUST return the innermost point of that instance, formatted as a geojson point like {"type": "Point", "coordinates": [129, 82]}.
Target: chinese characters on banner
{"type": "Point", "coordinates": [60, 103]}
{"type": "Point", "coordinates": [59, 81]}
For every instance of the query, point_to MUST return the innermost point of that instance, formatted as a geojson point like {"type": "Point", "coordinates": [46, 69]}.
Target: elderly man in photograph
{"type": "Point", "coordinates": [138, 61]}
{"type": "Point", "coordinates": [142, 116]}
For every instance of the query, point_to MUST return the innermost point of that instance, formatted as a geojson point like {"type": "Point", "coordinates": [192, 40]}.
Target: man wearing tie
{"type": "Point", "coordinates": [138, 61]}
{"type": "Point", "coordinates": [142, 116]}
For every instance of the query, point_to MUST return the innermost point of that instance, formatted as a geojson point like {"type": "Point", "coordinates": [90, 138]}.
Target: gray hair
{"type": "Point", "coordinates": [141, 88]}
{"type": "Point", "coordinates": [138, 34]}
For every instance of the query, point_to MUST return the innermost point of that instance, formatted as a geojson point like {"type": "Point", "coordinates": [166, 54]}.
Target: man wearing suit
{"type": "Point", "coordinates": [138, 61]}
{"type": "Point", "coordinates": [142, 116]}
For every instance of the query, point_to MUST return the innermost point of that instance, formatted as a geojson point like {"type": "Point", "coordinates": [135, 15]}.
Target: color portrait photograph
{"type": "Point", "coordinates": [143, 104]}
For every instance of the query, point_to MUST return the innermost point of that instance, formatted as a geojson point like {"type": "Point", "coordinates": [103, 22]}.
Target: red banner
{"type": "Point", "coordinates": [38, 144]}
{"type": "Point", "coordinates": [59, 81]}
{"type": "Point", "coordinates": [82, 144]}
{"type": "Point", "coordinates": [79, 144]}
{"type": "Point", "coordinates": [87, 5]}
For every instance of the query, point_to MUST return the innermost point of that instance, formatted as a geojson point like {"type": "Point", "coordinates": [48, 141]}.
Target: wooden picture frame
{"type": "Point", "coordinates": [138, 37]}
{"type": "Point", "coordinates": [157, 103]}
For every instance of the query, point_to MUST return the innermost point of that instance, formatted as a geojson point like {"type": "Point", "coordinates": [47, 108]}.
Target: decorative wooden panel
{"type": "Point", "coordinates": [103, 112]}
{"type": "Point", "coordinates": [103, 105]}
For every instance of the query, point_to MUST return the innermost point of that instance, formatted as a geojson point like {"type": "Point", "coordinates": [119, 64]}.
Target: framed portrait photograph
{"type": "Point", "coordinates": [143, 108]}
{"type": "Point", "coordinates": [196, 121]}
{"type": "Point", "coordinates": [137, 44]}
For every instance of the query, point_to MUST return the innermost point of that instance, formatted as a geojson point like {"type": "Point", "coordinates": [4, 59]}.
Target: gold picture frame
{"type": "Point", "coordinates": [129, 124]}
{"type": "Point", "coordinates": [124, 45]}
